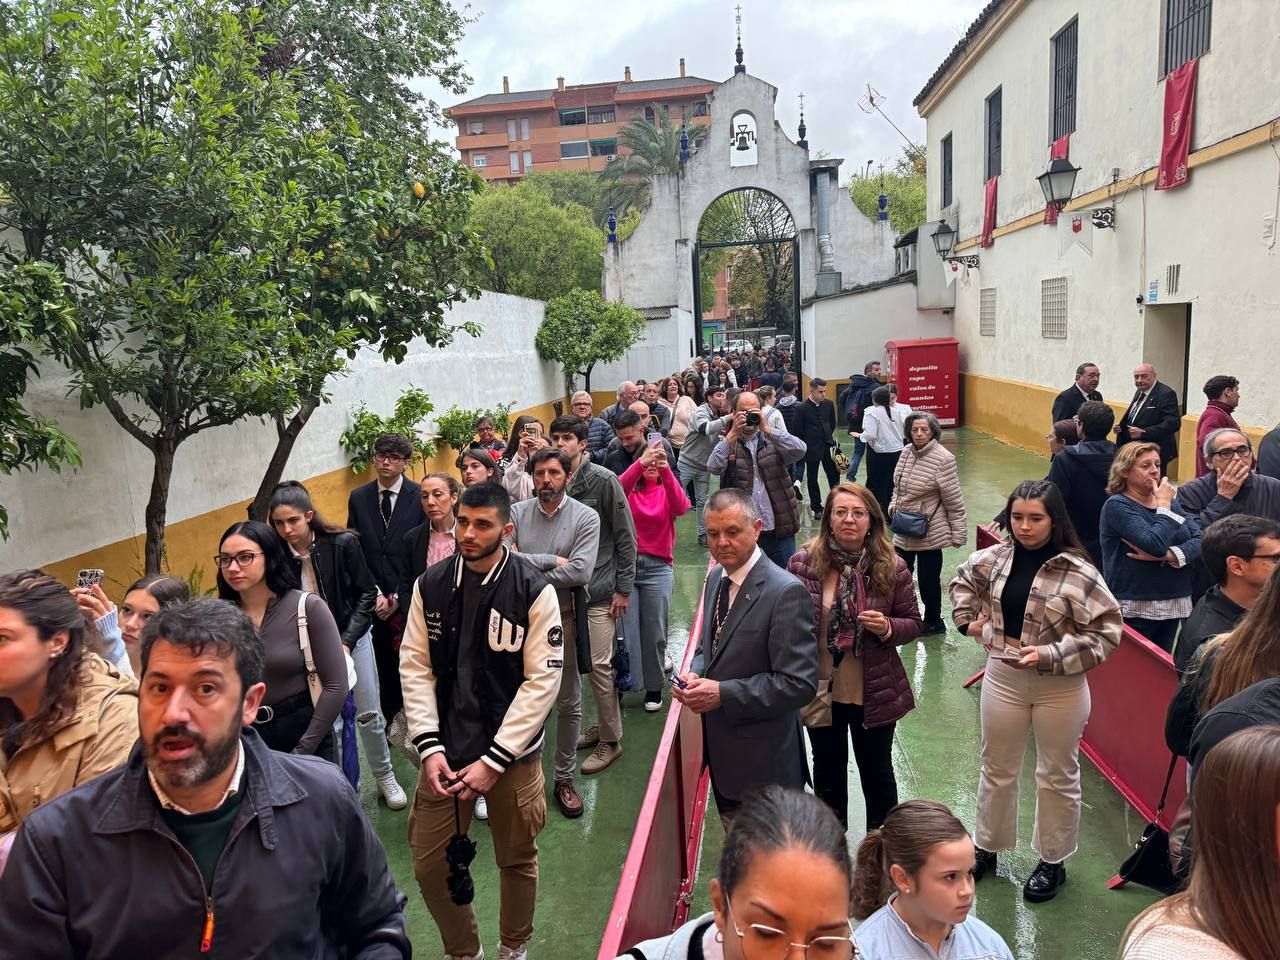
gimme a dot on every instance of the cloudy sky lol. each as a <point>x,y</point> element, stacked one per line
<point>829,49</point>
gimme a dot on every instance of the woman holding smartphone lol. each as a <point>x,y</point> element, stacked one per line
<point>118,631</point>
<point>1046,617</point>
<point>656,501</point>
<point>864,608</point>
<point>526,440</point>
<point>255,573</point>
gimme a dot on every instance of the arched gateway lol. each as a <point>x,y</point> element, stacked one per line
<point>748,231</point>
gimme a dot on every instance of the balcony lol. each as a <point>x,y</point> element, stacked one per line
<point>482,141</point>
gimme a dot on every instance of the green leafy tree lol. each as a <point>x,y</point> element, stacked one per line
<point>904,189</point>
<point>538,249</point>
<point>580,330</point>
<point>31,310</point>
<point>152,165</point>
<point>412,407</point>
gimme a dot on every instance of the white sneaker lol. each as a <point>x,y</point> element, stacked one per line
<point>482,813</point>
<point>667,665</point>
<point>513,953</point>
<point>391,791</point>
<point>478,956</point>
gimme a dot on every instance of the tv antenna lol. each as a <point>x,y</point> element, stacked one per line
<point>870,102</point>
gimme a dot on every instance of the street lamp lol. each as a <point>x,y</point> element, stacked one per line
<point>684,144</point>
<point>1058,182</point>
<point>944,240</point>
<point>613,226</point>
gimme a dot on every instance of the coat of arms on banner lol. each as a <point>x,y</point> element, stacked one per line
<point>1075,228</point>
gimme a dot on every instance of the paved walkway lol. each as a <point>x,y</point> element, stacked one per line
<point>936,755</point>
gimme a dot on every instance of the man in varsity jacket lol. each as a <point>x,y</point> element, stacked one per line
<point>480,666</point>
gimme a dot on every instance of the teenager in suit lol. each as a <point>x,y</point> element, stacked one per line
<point>1068,402</point>
<point>381,512</point>
<point>1153,415</point>
<point>755,665</point>
<point>817,424</point>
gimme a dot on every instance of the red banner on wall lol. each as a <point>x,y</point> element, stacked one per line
<point>1179,109</point>
<point>1061,147</point>
<point>989,213</point>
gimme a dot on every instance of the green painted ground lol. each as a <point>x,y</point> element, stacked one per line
<point>936,755</point>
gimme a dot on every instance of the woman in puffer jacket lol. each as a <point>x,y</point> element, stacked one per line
<point>925,483</point>
<point>864,608</point>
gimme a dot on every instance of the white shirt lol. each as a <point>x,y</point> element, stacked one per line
<point>879,431</point>
<point>232,788</point>
<point>394,490</point>
<point>739,576</point>
<point>308,569</point>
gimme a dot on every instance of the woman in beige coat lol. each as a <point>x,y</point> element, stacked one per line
<point>66,715</point>
<point>925,482</point>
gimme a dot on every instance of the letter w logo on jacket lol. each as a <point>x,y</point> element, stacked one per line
<point>504,636</point>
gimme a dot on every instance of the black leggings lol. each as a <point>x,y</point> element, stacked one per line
<point>930,578</point>
<point>880,476</point>
<point>872,751</point>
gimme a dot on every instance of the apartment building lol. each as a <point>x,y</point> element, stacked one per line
<point>505,135</point>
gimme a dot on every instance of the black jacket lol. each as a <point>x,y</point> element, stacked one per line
<point>381,542</point>
<point>97,873</point>
<point>816,423</point>
<point>1068,403</point>
<point>855,399</point>
<point>1080,473</point>
<point>1215,613</point>
<point>789,406</point>
<point>617,458</point>
<point>1269,454</point>
<point>343,582</point>
<point>1160,418</point>
<point>1259,496</point>
<point>413,561</point>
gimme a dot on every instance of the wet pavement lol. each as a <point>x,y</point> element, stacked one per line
<point>935,754</point>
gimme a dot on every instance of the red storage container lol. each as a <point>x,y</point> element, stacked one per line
<point>927,373</point>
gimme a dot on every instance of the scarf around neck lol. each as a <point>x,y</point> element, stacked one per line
<point>845,631</point>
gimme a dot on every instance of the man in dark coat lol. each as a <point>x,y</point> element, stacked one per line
<point>817,423</point>
<point>1067,403</point>
<point>1080,473</point>
<point>855,401</point>
<point>1154,415</point>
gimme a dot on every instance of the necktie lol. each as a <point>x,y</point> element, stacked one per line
<point>1137,405</point>
<point>386,508</point>
<point>722,612</point>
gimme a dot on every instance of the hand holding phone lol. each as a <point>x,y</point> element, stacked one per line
<point>90,577</point>
<point>677,681</point>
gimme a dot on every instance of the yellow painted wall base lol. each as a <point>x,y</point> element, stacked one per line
<point>190,544</point>
<point>1018,413</point>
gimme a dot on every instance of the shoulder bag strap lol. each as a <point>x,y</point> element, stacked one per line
<point>304,642</point>
<point>1164,794</point>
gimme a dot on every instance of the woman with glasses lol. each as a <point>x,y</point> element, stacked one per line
<point>255,573</point>
<point>488,439</point>
<point>864,608</point>
<point>913,888</point>
<point>782,887</point>
<point>1149,546</point>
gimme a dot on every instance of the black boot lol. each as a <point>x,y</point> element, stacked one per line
<point>985,860</point>
<point>1043,884</point>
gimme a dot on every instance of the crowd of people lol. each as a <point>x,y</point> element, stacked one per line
<point>451,617</point>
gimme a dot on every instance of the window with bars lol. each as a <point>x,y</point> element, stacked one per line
<point>1186,31</point>
<point>946,170</point>
<point>994,111</point>
<point>987,312</point>
<point>1053,308</point>
<point>1064,80</point>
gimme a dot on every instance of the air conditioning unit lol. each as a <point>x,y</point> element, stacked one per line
<point>611,157</point>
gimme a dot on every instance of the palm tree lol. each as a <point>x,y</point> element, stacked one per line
<point>654,149</point>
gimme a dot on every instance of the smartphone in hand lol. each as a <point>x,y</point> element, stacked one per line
<point>677,681</point>
<point>90,577</point>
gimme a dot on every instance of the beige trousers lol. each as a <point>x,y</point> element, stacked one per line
<point>1055,709</point>
<point>600,626</point>
<point>517,812</point>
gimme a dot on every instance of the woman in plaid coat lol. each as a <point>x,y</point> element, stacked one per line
<point>1044,612</point>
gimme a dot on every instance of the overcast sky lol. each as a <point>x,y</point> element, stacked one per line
<point>829,49</point>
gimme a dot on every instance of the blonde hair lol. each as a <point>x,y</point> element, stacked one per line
<point>1126,457</point>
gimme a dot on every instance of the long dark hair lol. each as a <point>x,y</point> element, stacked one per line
<point>1064,537</point>
<point>49,607</point>
<point>513,438</point>
<point>1233,818</point>
<point>908,833</point>
<point>292,493</point>
<point>882,569</point>
<point>696,380</point>
<point>775,818</point>
<point>280,575</point>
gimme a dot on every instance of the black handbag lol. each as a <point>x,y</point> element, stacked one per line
<point>911,523</point>
<point>1149,864</point>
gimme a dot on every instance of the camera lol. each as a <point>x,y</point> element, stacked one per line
<point>753,418</point>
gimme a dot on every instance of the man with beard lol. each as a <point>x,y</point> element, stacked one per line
<point>481,664</point>
<point>561,537</point>
<point>205,837</point>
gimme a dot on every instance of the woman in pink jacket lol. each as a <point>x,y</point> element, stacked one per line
<point>656,500</point>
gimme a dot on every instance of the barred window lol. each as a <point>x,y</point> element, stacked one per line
<point>946,171</point>
<point>1064,81</point>
<point>994,124</point>
<point>987,312</point>
<point>1187,26</point>
<point>1053,308</point>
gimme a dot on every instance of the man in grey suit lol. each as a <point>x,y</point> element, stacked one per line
<point>756,665</point>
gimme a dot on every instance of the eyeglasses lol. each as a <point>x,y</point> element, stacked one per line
<point>857,515</point>
<point>389,457</point>
<point>762,942</point>
<point>242,560</point>
<point>1233,452</point>
<point>581,403</point>
<point>1272,557</point>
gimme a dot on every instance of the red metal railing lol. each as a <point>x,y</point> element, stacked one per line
<point>658,876</point>
<point>1125,735</point>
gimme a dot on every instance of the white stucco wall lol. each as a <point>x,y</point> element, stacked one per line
<point>852,328</point>
<point>58,515</point>
<point>1213,226</point>
<point>863,247</point>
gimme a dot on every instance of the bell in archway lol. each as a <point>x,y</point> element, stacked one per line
<point>743,142</point>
